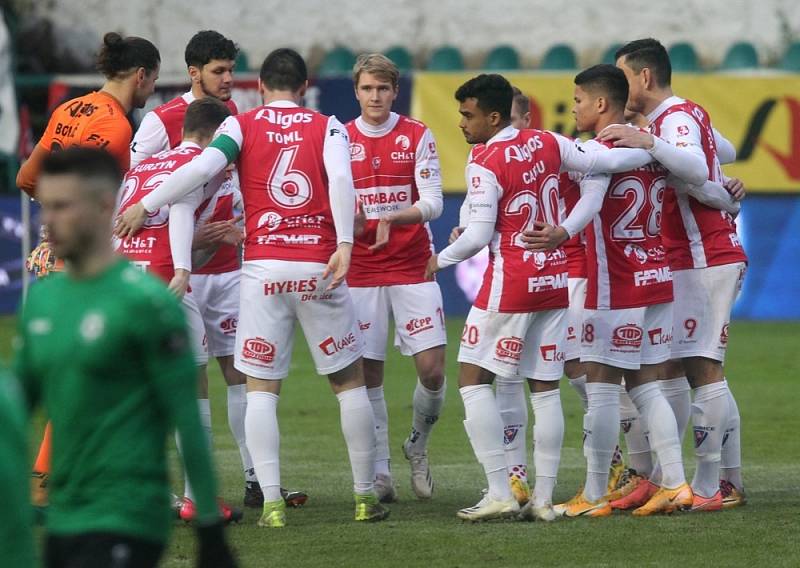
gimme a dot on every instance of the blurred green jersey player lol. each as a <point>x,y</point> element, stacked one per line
<point>105,348</point>
<point>16,528</point>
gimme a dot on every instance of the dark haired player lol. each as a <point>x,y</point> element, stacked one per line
<point>104,348</point>
<point>707,261</point>
<point>97,119</point>
<point>210,60</point>
<point>516,327</point>
<point>299,203</point>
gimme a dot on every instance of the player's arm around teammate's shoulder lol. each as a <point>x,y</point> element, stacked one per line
<point>204,168</point>
<point>590,156</point>
<point>678,148</point>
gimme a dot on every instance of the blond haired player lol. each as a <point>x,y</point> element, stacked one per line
<point>397,177</point>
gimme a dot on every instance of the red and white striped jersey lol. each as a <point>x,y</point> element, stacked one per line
<point>389,166</point>
<point>222,206</point>
<point>162,129</point>
<point>694,235</point>
<point>575,247</point>
<point>149,249</point>
<point>627,265</point>
<point>283,180</point>
<point>525,166</point>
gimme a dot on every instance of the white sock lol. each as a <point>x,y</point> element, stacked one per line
<point>485,431</point>
<point>579,384</point>
<point>602,433</point>
<point>548,436</point>
<point>358,427</point>
<point>710,419</point>
<point>510,396</point>
<point>679,396</point>
<point>427,407</point>
<point>237,406</point>
<point>204,408</point>
<point>731,464</point>
<point>664,441</point>
<point>633,428</point>
<point>264,441</point>
<point>381,418</point>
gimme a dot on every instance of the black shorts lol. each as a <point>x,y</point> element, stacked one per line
<point>101,550</point>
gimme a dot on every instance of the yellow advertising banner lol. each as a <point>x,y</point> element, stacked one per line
<point>759,114</point>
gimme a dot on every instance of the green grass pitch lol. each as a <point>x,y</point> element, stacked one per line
<point>763,367</point>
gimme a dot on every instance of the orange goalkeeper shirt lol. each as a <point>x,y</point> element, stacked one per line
<point>95,119</point>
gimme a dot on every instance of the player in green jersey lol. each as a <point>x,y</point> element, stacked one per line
<point>105,348</point>
<point>16,529</point>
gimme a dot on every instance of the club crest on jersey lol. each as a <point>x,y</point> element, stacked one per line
<point>476,182</point>
<point>510,433</point>
<point>376,162</point>
<point>509,348</point>
<point>403,141</point>
<point>628,335</point>
<point>259,349</point>
<point>357,152</point>
<point>683,130</point>
<point>92,326</point>
<point>700,434</point>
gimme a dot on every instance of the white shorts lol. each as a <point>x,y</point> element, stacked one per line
<point>704,298</point>
<point>629,337</point>
<point>197,331</point>
<point>516,345</point>
<point>217,296</point>
<point>417,312</point>
<point>577,299</point>
<point>275,294</point>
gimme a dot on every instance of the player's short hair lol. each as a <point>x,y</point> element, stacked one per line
<point>607,80</point>
<point>648,53</point>
<point>522,100</point>
<point>96,167</point>
<point>493,93</point>
<point>120,56</point>
<point>207,45</point>
<point>284,70</point>
<point>376,64</point>
<point>203,116</point>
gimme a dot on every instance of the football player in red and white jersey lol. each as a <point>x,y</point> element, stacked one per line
<point>516,327</point>
<point>397,177</point>
<point>509,392</point>
<point>210,59</point>
<point>297,187</point>
<point>157,248</point>
<point>707,261</point>
<point>627,314</point>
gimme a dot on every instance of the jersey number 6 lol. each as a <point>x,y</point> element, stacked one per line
<point>287,187</point>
